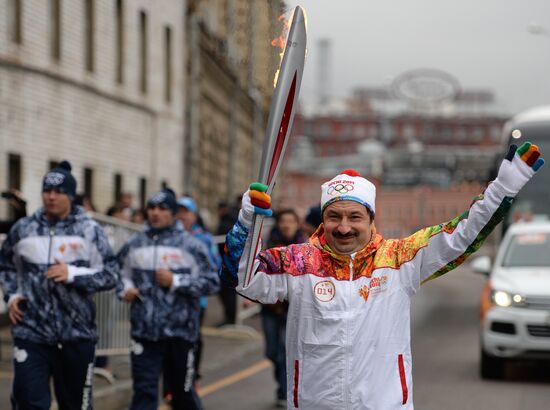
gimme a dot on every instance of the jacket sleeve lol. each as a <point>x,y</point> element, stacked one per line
<point>125,281</point>
<point>269,284</point>
<point>436,250</point>
<point>203,279</point>
<point>9,277</point>
<point>102,274</point>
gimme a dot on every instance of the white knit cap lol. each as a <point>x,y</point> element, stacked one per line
<point>349,185</point>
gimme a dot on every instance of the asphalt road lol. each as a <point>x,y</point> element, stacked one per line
<point>445,361</point>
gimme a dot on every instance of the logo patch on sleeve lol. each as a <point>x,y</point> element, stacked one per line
<point>324,291</point>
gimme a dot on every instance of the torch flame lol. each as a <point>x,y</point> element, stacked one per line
<point>280,41</point>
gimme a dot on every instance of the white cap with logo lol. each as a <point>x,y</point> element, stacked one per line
<point>349,185</point>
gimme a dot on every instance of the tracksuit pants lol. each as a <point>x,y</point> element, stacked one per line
<point>274,327</point>
<point>71,365</point>
<point>148,360</point>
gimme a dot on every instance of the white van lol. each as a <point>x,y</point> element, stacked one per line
<point>533,125</point>
<point>515,303</point>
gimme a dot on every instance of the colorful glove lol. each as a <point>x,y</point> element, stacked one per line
<point>518,167</point>
<point>255,201</point>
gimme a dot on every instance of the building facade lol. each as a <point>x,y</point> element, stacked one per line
<point>231,65</point>
<point>97,82</point>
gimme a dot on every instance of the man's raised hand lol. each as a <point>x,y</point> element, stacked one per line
<point>518,167</point>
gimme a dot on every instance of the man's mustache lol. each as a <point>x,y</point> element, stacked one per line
<point>337,234</point>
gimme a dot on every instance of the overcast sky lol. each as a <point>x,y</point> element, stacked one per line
<point>483,43</point>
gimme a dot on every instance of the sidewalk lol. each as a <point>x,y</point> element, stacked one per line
<point>221,347</point>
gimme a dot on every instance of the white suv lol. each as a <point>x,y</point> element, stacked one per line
<point>515,303</point>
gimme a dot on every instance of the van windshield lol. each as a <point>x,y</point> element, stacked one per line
<point>528,250</point>
<point>535,196</point>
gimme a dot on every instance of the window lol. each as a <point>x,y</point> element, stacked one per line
<point>55,29</point>
<point>360,131</point>
<point>89,182</point>
<point>409,132</point>
<point>461,133</point>
<point>117,193</point>
<point>14,176</point>
<point>478,133</point>
<point>446,132</point>
<point>16,19</point>
<point>495,132</point>
<point>143,51</point>
<point>167,64</point>
<point>119,41</point>
<point>142,192</point>
<point>14,171</point>
<point>89,34</point>
<point>324,130</point>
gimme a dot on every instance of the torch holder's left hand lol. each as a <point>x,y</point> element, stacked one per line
<point>255,201</point>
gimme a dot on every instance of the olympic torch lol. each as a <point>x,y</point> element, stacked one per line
<point>281,117</point>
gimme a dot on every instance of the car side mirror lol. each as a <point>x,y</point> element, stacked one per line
<point>481,264</point>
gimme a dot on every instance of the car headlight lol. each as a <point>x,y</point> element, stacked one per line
<point>506,299</point>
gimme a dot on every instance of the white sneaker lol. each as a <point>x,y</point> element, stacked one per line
<point>280,403</point>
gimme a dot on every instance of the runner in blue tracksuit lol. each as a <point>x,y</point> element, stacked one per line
<point>51,264</point>
<point>164,271</point>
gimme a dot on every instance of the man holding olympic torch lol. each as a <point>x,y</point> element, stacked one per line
<point>349,290</point>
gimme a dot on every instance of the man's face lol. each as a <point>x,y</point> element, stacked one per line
<point>159,217</point>
<point>57,205</point>
<point>186,217</point>
<point>288,225</point>
<point>347,226</point>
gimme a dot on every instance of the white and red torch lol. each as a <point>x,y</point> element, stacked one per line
<point>281,117</point>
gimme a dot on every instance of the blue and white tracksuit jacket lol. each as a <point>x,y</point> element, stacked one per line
<point>206,237</point>
<point>57,312</point>
<point>160,313</point>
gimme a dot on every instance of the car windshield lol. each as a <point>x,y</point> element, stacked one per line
<point>528,250</point>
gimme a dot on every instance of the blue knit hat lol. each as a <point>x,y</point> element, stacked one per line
<point>60,179</point>
<point>165,199</point>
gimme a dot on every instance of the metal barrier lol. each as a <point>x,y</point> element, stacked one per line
<point>113,315</point>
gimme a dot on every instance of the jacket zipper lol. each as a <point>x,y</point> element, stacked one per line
<point>348,335</point>
<point>51,286</point>
<point>154,295</point>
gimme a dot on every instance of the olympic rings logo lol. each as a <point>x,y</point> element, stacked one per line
<point>340,189</point>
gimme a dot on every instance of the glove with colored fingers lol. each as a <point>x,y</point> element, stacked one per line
<point>255,201</point>
<point>518,167</point>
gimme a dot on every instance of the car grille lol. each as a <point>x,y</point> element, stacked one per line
<point>538,330</point>
<point>537,302</point>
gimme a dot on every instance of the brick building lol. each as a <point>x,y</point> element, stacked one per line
<point>427,168</point>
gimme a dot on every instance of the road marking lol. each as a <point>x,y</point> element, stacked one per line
<point>234,378</point>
